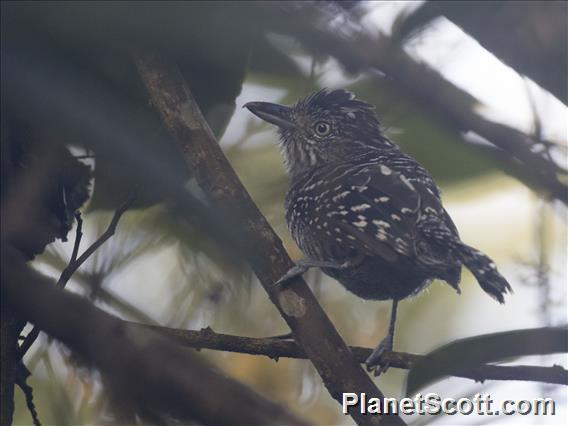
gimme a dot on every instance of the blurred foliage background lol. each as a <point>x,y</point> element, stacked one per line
<point>68,80</point>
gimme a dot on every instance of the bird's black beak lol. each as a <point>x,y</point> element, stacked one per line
<point>278,115</point>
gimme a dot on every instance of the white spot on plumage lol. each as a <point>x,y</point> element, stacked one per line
<point>360,188</point>
<point>341,195</point>
<point>320,196</point>
<point>360,207</point>
<point>406,182</point>
<point>400,245</point>
<point>396,217</point>
<point>381,223</point>
<point>313,158</point>
<point>361,224</point>
<point>385,170</point>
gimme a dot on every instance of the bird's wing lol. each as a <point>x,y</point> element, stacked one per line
<point>370,208</point>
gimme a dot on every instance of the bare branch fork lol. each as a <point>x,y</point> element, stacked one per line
<point>67,273</point>
<point>75,263</point>
<point>276,348</point>
<point>175,383</point>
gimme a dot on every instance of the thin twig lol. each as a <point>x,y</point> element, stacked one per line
<point>75,263</point>
<point>275,348</point>
<point>78,237</point>
<point>73,266</point>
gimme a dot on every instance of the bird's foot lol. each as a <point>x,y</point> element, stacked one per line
<point>374,362</point>
<point>304,264</point>
<point>294,272</point>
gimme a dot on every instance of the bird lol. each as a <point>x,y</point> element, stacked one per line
<point>363,211</point>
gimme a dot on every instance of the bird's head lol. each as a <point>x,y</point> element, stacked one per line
<point>325,127</point>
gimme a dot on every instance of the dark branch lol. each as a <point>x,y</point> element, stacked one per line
<point>152,375</point>
<point>530,48</point>
<point>10,328</point>
<point>312,329</point>
<point>78,237</point>
<point>275,348</point>
<point>21,380</point>
<point>359,51</point>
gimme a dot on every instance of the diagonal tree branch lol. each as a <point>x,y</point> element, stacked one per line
<point>360,51</point>
<point>150,375</point>
<point>311,328</point>
<point>276,348</point>
<point>514,32</point>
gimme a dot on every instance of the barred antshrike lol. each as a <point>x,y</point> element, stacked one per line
<point>364,212</point>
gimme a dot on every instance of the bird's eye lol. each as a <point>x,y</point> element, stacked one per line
<point>322,128</point>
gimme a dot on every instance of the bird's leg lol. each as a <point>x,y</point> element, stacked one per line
<point>306,263</point>
<point>386,345</point>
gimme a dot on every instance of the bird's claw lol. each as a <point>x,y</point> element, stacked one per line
<point>374,362</point>
<point>377,370</point>
<point>292,273</point>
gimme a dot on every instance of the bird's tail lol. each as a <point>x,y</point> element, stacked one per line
<point>485,271</point>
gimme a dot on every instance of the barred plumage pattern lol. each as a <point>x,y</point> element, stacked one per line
<point>355,196</point>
